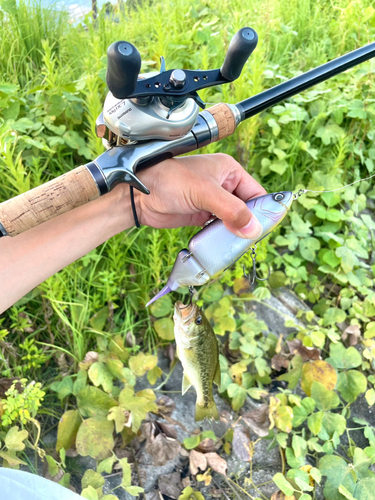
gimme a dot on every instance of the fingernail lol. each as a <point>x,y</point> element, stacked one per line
<point>253,229</point>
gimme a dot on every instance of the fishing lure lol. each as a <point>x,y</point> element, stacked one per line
<point>214,249</point>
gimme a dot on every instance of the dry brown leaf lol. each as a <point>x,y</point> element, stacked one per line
<point>216,463</point>
<point>186,482</point>
<point>170,484</point>
<point>174,422</point>
<point>6,384</point>
<point>166,405</point>
<point>162,449</point>
<point>258,420</point>
<point>308,353</point>
<point>279,362</point>
<point>89,359</point>
<point>225,417</point>
<point>197,461</point>
<point>279,495</point>
<point>354,333</point>
<point>242,445</point>
<point>206,446</point>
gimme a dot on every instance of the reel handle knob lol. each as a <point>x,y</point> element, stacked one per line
<point>240,48</point>
<point>124,64</point>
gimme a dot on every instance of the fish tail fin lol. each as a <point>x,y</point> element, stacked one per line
<point>209,412</point>
<point>162,292</point>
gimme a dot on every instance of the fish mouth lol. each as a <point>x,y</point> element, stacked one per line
<point>185,313</point>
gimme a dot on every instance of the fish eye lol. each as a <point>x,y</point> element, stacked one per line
<point>278,196</point>
<point>198,321</point>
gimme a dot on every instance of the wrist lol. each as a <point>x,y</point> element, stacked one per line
<point>118,209</point>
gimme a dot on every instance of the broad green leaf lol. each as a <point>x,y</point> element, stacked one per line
<point>93,402</point>
<point>14,439</point>
<point>58,104</point>
<point>192,442</point>
<point>106,465</point>
<point>100,375</point>
<point>365,489</point>
<point>134,490</point>
<point>346,493</point>
<point>126,472</point>
<point>237,395</point>
<point>308,248</point>
<point>141,363</point>
<point>99,319</point>
<point>351,384</point>
<point>348,258</point>
<point>90,493</point>
<point>334,315</point>
<point>283,484</point>
<point>338,473</point>
<point>189,494</point>
<point>332,423</point>
<point>370,397</point>
<point>95,438</point>
<point>67,430</point>
<point>63,388</point>
<point>299,446</point>
<point>80,382</point>
<point>117,347</point>
<point>213,293</point>
<point>343,358</point>
<point>293,461</point>
<point>139,406</point>
<point>315,474</point>
<point>161,307</point>
<point>154,374</point>
<point>164,327</point>
<point>314,422</point>
<point>92,478</point>
<point>11,458</point>
<point>325,399</point>
<point>361,463</point>
<point>119,416</point>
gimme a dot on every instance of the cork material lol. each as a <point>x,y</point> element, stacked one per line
<point>224,118</point>
<point>45,202</point>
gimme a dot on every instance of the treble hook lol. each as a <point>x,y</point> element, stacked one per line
<point>191,293</point>
<point>254,275</point>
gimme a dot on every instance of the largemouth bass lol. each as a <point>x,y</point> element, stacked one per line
<point>198,351</point>
<point>215,248</point>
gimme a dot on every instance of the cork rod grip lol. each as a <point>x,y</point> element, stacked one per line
<point>224,119</point>
<point>47,201</point>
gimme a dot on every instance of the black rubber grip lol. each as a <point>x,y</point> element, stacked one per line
<point>124,65</point>
<point>240,48</point>
<point>98,176</point>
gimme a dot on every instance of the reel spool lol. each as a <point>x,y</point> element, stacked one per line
<point>165,105</point>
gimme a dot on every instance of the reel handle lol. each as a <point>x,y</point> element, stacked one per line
<point>124,65</point>
<point>240,48</point>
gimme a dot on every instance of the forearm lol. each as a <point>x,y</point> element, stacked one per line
<point>30,258</point>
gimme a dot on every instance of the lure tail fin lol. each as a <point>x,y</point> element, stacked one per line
<point>162,292</point>
<point>201,412</point>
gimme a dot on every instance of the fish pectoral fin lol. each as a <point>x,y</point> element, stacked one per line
<point>186,384</point>
<point>217,376</point>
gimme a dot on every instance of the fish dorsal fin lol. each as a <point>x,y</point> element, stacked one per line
<point>186,384</point>
<point>217,376</point>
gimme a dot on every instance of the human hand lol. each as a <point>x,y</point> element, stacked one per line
<point>187,191</point>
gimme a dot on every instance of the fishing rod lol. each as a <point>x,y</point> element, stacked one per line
<point>148,118</point>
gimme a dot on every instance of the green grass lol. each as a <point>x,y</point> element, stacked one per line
<point>50,67</point>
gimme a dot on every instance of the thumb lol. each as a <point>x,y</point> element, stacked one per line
<point>231,210</point>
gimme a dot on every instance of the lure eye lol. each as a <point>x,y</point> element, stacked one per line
<point>278,196</point>
<point>198,321</point>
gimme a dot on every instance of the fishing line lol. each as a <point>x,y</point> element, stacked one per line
<point>304,191</point>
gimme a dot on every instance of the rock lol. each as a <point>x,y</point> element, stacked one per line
<point>120,493</point>
<point>282,305</point>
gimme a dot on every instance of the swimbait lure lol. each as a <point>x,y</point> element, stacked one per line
<point>214,249</point>
<point>198,351</point>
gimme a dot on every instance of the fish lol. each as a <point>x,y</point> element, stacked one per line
<point>198,351</point>
<point>214,249</point>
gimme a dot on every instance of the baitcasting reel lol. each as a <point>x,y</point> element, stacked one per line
<point>164,105</point>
